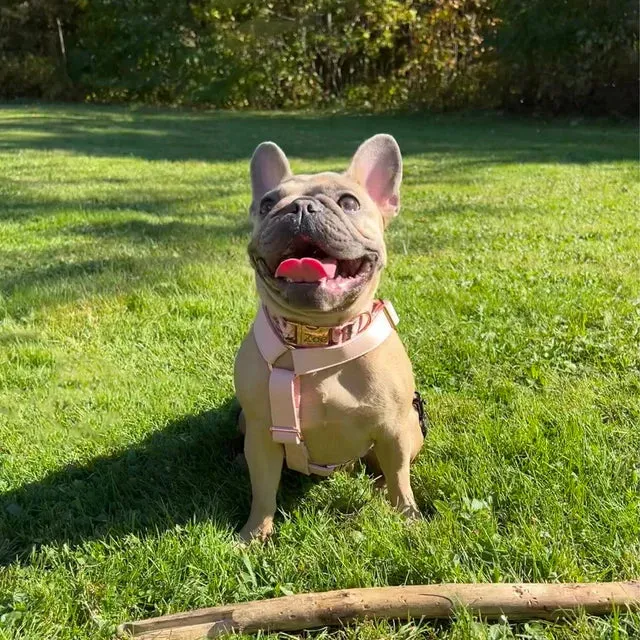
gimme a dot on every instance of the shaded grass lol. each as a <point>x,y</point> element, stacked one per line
<point>124,293</point>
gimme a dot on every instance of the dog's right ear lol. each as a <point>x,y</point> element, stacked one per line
<point>269,167</point>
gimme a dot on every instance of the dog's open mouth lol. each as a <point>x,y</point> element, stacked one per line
<point>305,263</point>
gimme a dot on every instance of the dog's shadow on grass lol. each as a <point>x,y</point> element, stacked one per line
<point>188,471</point>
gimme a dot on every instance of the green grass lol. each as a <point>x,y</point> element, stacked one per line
<point>124,294</point>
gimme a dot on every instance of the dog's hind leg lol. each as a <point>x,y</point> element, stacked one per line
<point>241,423</point>
<point>393,452</point>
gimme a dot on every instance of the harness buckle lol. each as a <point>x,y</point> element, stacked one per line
<point>418,405</point>
<point>286,435</point>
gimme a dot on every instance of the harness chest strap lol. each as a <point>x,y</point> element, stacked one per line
<point>284,385</point>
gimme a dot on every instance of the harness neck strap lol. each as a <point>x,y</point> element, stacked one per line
<point>296,334</point>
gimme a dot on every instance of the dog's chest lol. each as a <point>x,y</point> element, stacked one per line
<point>331,398</point>
<point>337,415</point>
<point>342,409</point>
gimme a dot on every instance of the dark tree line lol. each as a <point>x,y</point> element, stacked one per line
<point>555,55</point>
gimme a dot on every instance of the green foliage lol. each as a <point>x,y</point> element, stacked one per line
<point>569,55</point>
<point>31,56</point>
<point>377,53</point>
<point>372,54</point>
<point>134,49</point>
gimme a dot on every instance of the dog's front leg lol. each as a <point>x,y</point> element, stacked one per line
<point>264,459</point>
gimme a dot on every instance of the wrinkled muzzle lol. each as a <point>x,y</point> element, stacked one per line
<point>311,255</point>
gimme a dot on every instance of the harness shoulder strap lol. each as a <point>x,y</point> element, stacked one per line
<point>284,396</point>
<point>313,360</point>
<point>269,343</point>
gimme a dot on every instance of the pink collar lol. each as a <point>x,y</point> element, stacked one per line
<point>296,334</point>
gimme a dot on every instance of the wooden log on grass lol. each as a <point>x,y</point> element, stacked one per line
<point>309,610</point>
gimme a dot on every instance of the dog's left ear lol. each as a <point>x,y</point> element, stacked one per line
<point>377,166</point>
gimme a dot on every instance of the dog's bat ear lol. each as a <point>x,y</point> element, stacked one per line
<point>377,166</point>
<point>269,167</point>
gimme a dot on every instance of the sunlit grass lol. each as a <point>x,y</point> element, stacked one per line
<point>125,291</point>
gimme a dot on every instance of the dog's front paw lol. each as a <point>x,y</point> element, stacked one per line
<point>410,511</point>
<point>259,532</point>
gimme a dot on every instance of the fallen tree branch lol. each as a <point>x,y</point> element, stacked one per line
<point>309,610</point>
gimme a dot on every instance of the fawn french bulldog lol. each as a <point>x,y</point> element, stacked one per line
<point>322,377</point>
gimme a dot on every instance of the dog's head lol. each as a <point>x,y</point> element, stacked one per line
<point>318,240</point>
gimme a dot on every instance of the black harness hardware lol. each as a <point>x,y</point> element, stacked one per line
<point>418,405</point>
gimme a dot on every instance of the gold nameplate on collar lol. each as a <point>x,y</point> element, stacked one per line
<point>312,336</point>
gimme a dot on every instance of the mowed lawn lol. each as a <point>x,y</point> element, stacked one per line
<point>125,292</point>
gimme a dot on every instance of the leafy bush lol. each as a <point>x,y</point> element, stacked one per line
<point>569,55</point>
<point>29,76</point>
<point>31,55</point>
<point>376,54</point>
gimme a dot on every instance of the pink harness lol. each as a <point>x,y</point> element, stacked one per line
<point>351,341</point>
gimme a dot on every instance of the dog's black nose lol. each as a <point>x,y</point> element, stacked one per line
<point>303,206</point>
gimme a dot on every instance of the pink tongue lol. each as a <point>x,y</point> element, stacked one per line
<point>306,269</point>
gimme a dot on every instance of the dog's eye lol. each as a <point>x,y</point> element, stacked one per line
<point>265,206</point>
<point>348,204</point>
